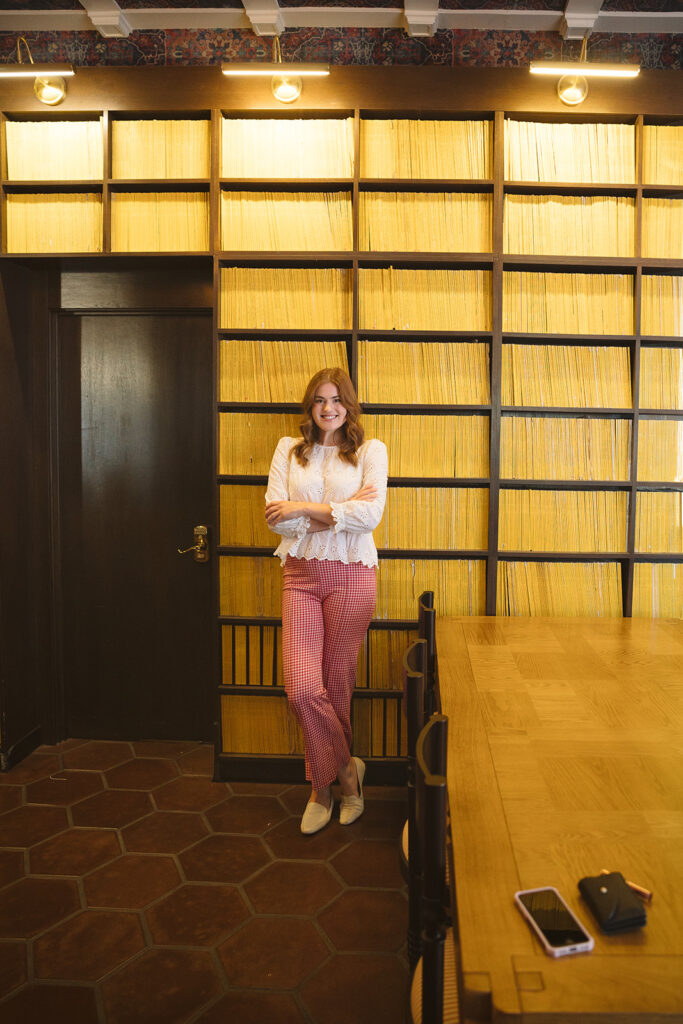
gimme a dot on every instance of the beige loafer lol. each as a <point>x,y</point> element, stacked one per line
<point>353,806</point>
<point>316,817</point>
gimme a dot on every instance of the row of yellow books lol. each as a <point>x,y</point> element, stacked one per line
<point>663,154</point>
<point>52,222</point>
<point>287,148</point>
<point>425,221</point>
<point>435,519</point>
<point>424,372</point>
<point>559,589</point>
<point>661,378</point>
<point>660,450</point>
<point>403,148</point>
<point>380,661</point>
<point>286,221</point>
<point>566,375</point>
<point>562,520</point>
<point>424,300</point>
<point>662,300</point>
<point>273,371</point>
<point>447,446</point>
<point>251,586</point>
<point>54,150</point>
<point>378,727</point>
<point>564,448</point>
<point>161,149</point>
<point>256,724</point>
<point>548,303</point>
<point>569,225</point>
<point>658,590</point>
<point>542,151</point>
<point>659,522</point>
<point>160,222</point>
<point>273,297</point>
<point>662,228</point>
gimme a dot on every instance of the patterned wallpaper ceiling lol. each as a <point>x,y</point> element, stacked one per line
<point>475,33</point>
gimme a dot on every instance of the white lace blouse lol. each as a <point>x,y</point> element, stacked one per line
<point>328,479</point>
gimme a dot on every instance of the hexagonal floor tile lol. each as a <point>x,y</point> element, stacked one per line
<point>196,915</point>
<point>272,953</point>
<point>131,882</point>
<point>254,814</point>
<point>378,994</point>
<point>223,859</point>
<point>163,748</point>
<point>163,986</point>
<point>31,905</point>
<point>88,946</point>
<point>60,1004</point>
<point>370,862</point>
<point>35,766</point>
<point>75,852</point>
<point>11,866</point>
<point>383,819</point>
<point>290,887</point>
<point>254,1008</point>
<point>366,920</point>
<point>10,796</point>
<point>190,793</point>
<point>262,788</point>
<point>30,824</point>
<point>197,762</point>
<point>164,832</point>
<point>97,755</point>
<point>63,788</point>
<point>113,808</point>
<point>286,840</point>
<point>142,773</point>
<point>12,966</point>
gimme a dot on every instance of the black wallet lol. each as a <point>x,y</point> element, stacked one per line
<point>614,905</point>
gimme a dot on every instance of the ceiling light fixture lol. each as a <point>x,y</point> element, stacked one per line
<point>285,78</point>
<point>572,87</point>
<point>49,85</point>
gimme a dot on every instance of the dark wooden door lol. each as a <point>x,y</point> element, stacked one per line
<point>135,426</point>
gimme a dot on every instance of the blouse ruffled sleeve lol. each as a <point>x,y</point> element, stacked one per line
<point>278,490</point>
<point>364,516</point>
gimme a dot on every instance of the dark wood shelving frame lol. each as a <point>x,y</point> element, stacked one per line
<point>396,103</point>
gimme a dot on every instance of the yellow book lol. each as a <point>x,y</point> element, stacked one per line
<point>658,590</point>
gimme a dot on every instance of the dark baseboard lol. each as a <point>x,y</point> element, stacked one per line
<point>21,749</point>
<point>381,771</point>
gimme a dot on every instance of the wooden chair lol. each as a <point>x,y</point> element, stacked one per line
<point>414,686</point>
<point>434,989</point>
<point>426,630</point>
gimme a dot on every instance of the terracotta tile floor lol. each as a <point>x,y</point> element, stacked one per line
<point>134,890</point>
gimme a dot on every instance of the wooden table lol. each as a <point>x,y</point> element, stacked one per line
<point>565,757</point>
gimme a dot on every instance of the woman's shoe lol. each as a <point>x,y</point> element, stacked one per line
<point>316,816</point>
<point>353,806</point>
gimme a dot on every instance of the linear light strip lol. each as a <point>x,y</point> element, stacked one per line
<point>586,68</point>
<point>35,70</point>
<point>268,70</point>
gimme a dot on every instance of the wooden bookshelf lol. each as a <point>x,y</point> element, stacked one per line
<point>248,633</point>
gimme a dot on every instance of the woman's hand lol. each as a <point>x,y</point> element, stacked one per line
<point>281,511</point>
<point>367,493</point>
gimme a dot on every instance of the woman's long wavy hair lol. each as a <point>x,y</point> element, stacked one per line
<point>351,430</point>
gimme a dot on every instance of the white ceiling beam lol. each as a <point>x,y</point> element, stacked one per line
<point>265,17</point>
<point>650,23</point>
<point>107,17</point>
<point>235,19</point>
<point>421,17</point>
<point>579,18</point>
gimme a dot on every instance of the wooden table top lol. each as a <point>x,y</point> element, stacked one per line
<point>565,757</point>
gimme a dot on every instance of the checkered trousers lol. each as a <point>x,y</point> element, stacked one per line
<point>326,610</point>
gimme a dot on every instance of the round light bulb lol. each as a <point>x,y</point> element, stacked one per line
<point>50,90</point>
<point>572,89</point>
<point>286,88</point>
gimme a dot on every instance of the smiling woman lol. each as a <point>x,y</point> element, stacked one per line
<point>326,494</point>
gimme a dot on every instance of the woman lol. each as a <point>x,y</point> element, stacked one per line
<point>326,493</point>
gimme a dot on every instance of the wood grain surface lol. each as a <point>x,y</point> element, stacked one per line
<point>565,757</point>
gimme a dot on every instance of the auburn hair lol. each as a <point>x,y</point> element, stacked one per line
<point>351,430</point>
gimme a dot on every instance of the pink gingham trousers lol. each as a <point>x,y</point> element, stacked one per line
<point>326,610</point>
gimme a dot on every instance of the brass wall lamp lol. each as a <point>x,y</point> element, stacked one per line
<point>48,85</point>
<point>285,79</point>
<point>572,87</point>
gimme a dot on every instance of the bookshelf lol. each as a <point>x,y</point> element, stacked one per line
<point>517,376</point>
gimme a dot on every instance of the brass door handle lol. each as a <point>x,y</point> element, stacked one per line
<point>200,548</point>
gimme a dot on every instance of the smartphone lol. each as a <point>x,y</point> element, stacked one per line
<point>558,929</point>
